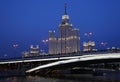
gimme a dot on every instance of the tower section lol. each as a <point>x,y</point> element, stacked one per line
<point>65,29</point>
<point>76,41</point>
<point>69,37</point>
<point>52,42</point>
<point>65,32</point>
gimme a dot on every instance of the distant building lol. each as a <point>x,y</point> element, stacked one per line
<point>89,46</point>
<point>113,49</point>
<point>34,51</point>
<point>68,40</point>
<point>25,54</point>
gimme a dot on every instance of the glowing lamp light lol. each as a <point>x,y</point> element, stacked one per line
<point>15,45</point>
<point>45,41</point>
<point>103,43</point>
<point>88,34</point>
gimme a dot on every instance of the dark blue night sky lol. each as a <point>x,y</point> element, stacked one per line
<point>26,22</point>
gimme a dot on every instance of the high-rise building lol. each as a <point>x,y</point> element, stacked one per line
<point>68,40</point>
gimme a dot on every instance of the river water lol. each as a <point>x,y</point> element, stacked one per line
<point>68,78</point>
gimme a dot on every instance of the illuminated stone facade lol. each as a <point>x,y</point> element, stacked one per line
<point>68,40</point>
<point>34,51</point>
<point>52,42</point>
<point>89,46</point>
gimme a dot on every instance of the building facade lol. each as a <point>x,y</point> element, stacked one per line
<point>34,51</point>
<point>89,46</point>
<point>68,40</point>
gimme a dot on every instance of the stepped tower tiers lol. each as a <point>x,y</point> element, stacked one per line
<point>68,40</point>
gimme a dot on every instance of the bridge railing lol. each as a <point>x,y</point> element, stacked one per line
<point>62,55</point>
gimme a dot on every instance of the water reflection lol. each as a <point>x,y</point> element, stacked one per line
<point>66,78</point>
<point>12,79</point>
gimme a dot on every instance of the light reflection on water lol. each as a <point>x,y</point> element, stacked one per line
<point>60,79</point>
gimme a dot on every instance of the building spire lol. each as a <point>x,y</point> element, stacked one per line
<point>65,6</point>
<point>65,16</point>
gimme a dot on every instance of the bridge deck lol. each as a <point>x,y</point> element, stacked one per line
<point>45,58</point>
<point>77,59</point>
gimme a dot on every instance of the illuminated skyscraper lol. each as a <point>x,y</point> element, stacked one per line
<point>68,40</point>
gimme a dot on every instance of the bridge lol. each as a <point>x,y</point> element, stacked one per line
<point>79,59</point>
<point>31,65</point>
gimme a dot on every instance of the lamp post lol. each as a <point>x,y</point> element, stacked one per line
<point>45,42</point>
<point>15,47</point>
<point>5,56</point>
<point>103,44</point>
<point>88,34</point>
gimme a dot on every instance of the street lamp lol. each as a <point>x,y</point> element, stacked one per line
<point>5,56</point>
<point>15,46</point>
<point>45,41</point>
<point>88,34</point>
<point>104,43</point>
